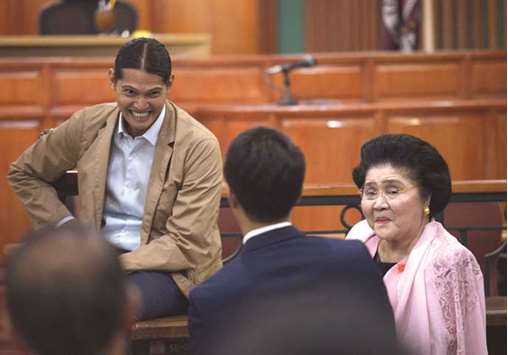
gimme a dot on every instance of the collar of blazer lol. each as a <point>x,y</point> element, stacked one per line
<point>158,174</point>
<point>271,237</point>
<point>168,128</point>
<point>162,158</point>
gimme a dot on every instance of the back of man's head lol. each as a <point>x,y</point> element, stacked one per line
<point>265,170</point>
<point>66,292</point>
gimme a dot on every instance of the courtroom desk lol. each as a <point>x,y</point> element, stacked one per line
<point>189,45</point>
<point>353,77</point>
<point>50,89</point>
<point>471,134</point>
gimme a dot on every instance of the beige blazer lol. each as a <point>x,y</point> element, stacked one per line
<point>179,233</point>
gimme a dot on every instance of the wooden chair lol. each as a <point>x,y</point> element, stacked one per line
<point>495,265</point>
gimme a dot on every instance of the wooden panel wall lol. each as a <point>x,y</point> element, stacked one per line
<point>341,25</point>
<point>250,26</point>
<point>471,135</point>
<point>345,78</point>
<point>4,23</point>
<point>457,101</point>
<point>344,25</point>
<point>343,134</point>
<point>145,13</point>
<point>236,27</point>
<point>487,77</point>
<point>466,24</point>
<point>468,134</point>
<point>233,24</point>
<point>466,138</point>
<point>16,135</point>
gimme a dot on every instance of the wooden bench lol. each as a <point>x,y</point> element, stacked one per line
<point>496,311</point>
<point>167,335</point>
<point>496,325</point>
<point>170,335</point>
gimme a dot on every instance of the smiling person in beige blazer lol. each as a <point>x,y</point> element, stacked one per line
<point>150,179</point>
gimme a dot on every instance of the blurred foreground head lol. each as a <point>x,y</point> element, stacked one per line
<point>67,293</point>
<point>315,321</point>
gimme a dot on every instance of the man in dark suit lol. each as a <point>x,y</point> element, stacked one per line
<point>286,293</point>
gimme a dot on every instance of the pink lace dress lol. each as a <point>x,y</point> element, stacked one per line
<point>436,293</point>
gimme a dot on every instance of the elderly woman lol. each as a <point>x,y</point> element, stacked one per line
<point>434,283</point>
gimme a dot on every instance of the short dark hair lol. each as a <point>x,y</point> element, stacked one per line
<point>265,170</point>
<point>146,54</point>
<point>419,159</point>
<point>66,292</point>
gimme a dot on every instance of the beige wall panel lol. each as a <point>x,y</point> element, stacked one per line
<point>500,147</point>
<point>4,17</point>
<point>21,87</point>
<point>144,13</point>
<point>83,86</point>
<point>235,126</point>
<point>423,80</point>
<point>15,137</point>
<point>218,85</point>
<point>488,78</point>
<point>31,10</point>
<point>331,146</point>
<point>182,16</point>
<point>232,24</point>
<point>234,27</point>
<point>341,25</point>
<point>322,218</point>
<point>461,138</point>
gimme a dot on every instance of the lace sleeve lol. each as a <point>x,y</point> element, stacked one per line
<point>455,283</point>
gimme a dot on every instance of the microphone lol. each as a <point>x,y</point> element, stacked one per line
<point>307,61</point>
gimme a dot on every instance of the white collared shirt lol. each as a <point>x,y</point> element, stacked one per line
<point>129,169</point>
<point>264,229</point>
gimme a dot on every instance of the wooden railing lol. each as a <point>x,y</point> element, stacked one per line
<point>455,100</point>
<point>171,334</point>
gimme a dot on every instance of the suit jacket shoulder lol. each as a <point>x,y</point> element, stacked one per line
<point>288,279</point>
<point>93,118</point>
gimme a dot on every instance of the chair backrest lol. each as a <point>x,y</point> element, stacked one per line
<point>78,18</point>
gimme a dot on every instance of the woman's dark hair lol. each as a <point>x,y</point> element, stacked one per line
<point>146,54</point>
<point>419,159</point>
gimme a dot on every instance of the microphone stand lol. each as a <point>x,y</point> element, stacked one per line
<point>287,98</point>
